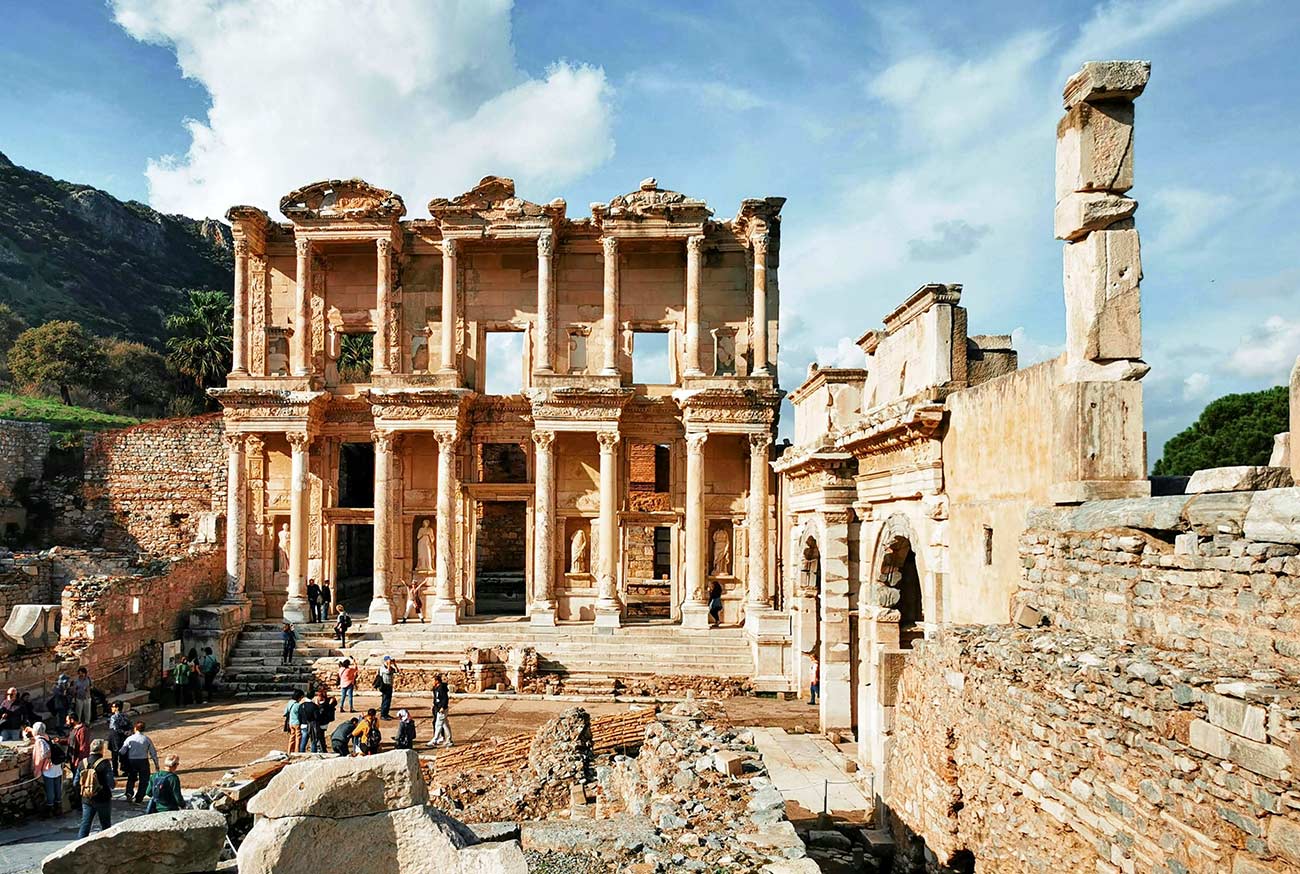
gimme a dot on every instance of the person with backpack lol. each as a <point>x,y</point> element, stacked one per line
<point>96,788</point>
<point>339,739</point>
<point>165,788</point>
<point>211,667</point>
<point>347,685</point>
<point>181,681</point>
<point>366,735</point>
<point>47,761</point>
<point>405,739</point>
<point>289,640</point>
<point>384,679</point>
<point>341,625</point>
<point>293,721</point>
<point>307,713</point>
<point>137,750</point>
<point>119,727</point>
<point>78,745</point>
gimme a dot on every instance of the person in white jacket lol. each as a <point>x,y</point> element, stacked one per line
<point>137,751</point>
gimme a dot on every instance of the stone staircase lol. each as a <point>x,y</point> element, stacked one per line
<point>254,669</point>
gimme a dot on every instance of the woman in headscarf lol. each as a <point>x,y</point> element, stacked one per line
<point>43,763</point>
<point>405,731</point>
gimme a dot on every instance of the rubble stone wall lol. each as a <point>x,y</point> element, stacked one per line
<point>153,486</point>
<point>1042,750</point>
<point>24,580</point>
<point>23,446</point>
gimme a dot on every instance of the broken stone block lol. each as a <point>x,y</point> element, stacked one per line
<point>731,764</point>
<point>1281,455</point>
<point>1284,839</point>
<point>1274,516</point>
<point>1263,759</point>
<point>1080,213</point>
<point>829,838</point>
<point>1027,617</point>
<point>1094,149</point>
<point>1107,80</point>
<point>344,787</point>
<point>178,842</point>
<point>1103,304</point>
<point>1239,479</point>
<point>35,626</point>
<point>1186,544</point>
<point>1098,441</point>
<point>1236,716</point>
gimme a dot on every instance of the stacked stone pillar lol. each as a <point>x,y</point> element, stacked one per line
<point>1100,450</point>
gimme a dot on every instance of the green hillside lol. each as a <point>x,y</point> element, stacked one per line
<point>70,251</point>
<point>62,419</point>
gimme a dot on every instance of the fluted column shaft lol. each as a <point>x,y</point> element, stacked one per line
<point>696,588</point>
<point>545,361</point>
<point>543,607</point>
<point>239,339</point>
<point>295,606</point>
<point>450,266</point>
<point>302,310</point>
<point>383,304</point>
<point>607,594</point>
<point>443,585</point>
<point>759,340</point>
<point>381,605</point>
<point>236,501</point>
<point>610,247</point>
<point>759,478</point>
<point>694,255</point>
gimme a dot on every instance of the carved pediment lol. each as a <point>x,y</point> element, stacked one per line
<point>757,215</point>
<point>493,202</point>
<point>650,201</point>
<point>342,199</point>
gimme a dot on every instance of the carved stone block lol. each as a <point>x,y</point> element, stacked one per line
<point>1107,80</point>
<point>1094,148</point>
<point>1081,212</point>
<point>1103,272</point>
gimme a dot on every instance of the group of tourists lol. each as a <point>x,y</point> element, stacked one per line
<point>191,678</point>
<point>318,601</point>
<point>289,637</point>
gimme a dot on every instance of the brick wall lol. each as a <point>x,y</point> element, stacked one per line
<point>151,486</point>
<point>23,446</point>
<point>501,535</point>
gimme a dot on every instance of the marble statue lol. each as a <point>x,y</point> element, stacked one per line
<point>721,554</point>
<point>282,548</point>
<point>424,548</point>
<point>578,553</point>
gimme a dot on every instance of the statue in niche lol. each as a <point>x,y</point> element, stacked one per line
<point>810,569</point>
<point>277,356</point>
<point>721,554</point>
<point>578,553</point>
<point>424,548</point>
<point>419,353</point>
<point>282,548</point>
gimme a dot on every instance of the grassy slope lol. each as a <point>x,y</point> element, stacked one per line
<point>62,419</point>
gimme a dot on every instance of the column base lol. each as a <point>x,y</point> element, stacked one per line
<point>444,613</point>
<point>542,613</point>
<point>609,615</point>
<point>695,616</point>
<point>381,612</point>
<point>755,613</point>
<point>295,610</point>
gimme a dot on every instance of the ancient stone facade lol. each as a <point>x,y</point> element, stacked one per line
<point>23,446</point>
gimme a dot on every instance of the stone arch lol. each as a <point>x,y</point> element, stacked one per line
<point>898,571</point>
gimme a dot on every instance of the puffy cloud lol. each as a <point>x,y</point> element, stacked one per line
<point>421,97</point>
<point>845,353</point>
<point>1186,215</point>
<point>1268,351</point>
<point>1194,385</point>
<point>1122,24</point>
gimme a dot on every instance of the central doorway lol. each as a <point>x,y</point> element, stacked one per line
<point>355,565</point>
<point>501,558</point>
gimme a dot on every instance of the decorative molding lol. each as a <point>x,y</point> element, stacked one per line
<point>695,244</point>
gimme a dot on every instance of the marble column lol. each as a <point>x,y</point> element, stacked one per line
<point>758,341</point>
<point>383,305</point>
<point>295,606</point>
<point>239,339</point>
<point>545,350</point>
<point>450,262</point>
<point>446,609</point>
<point>381,605</point>
<point>756,522</point>
<point>695,610</point>
<point>236,519</point>
<point>694,255</point>
<point>608,606</point>
<point>610,247</point>
<point>542,610</point>
<point>301,351</point>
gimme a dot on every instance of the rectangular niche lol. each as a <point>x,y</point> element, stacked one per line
<point>579,549</point>
<point>721,546</point>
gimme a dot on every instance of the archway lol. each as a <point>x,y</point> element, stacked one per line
<point>897,581</point>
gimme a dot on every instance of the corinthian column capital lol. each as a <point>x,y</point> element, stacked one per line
<point>451,247</point>
<point>543,439</point>
<point>608,440</point>
<point>241,248</point>
<point>299,441</point>
<point>759,242</point>
<point>383,246</point>
<point>610,246</point>
<point>695,243</point>
<point>546,244</point>
<point>302,245</point>
<point>695,442</point>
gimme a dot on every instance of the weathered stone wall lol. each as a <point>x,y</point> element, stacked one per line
<point>24,579</point>
<point>23,446</point>
<point>1048,750</point>
<point>154,487</point>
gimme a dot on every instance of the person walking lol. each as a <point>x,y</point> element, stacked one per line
<point>441,704</point>
<point>313,601</point>
<point>194,680</point>
<point>137,751</point>
<point>384,679</point>
<point>307,713</point>
<point>11,716</point>
<point>47,760</point>
<point>342,622</point>
<point>211,667</point>
<point>715,604</point>
<point>81,696</point>
<point>405,739</point>
<point>326,709</point>
<point>96,787</point>
<point>326,609</point>
<point>814,678</point>
<point>292,721</point>
<point>289,641</point>
<point>78,745</point>
<point>366,735</point>
<point>60,703</point>
<point>165,788</point>
<point>340,736</point>
<point>181,681</point>
<point>347,685</point>
<point>119,727</point>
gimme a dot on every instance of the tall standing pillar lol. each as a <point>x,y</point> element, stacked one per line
<point>381,605</point>
<point>542,611</point>
<point>758,342</point>
<point>239,339</point>
<point>695,610</point>
<point>446,609</point>
<point>383,304</point>
<point>545,301</point>
<point>694,254</point>
<point>236,501</point>
<point>759,474</point>
<point>302,310</point>
<point>295,605</point>
<point>450,266</point>
<point>608,606</point>
<point>610,247</point>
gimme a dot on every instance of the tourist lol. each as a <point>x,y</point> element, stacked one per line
<point>347,685</point>
<point>78,745</point>
<point>181,681</point>
<point>290,640</point>
<point>292,722</point>
<point>715,604</point>
<point>326,709</point>
<point>405,739</point>
<point>96,787</point>
<point>28,708</point>
<point>384,678</point>
<point>47,760</point>
<point>194,680</point>
<point>341,625</point>
<point>366,735</point>
<point>814,678</point>
<point>11,716</point>
<point>339,739</point>
<point>81,696</point>
<point>119,727</point>
<point>325,610</point>
<point>167,687</point>
<point>137,751</point>
<point>165,788</point>
<point>441,703</point>
<point>313,601</point>
<point>59,703</point>
<point>211,667</point>
<point>414,600</point>
<point>307,713</point>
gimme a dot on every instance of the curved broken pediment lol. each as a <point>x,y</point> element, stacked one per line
<point>493,202</point>
<point>651,200</point>
<point>342,199</point>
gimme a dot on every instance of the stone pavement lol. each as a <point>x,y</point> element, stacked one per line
<point>803,767</point>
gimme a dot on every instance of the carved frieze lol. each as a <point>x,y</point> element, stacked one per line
<point>250,407</point>
<point>728,405</point>
<point>578,403</point>
<point>257,312</point>
<point>353,199</point>
<point>492,205</point>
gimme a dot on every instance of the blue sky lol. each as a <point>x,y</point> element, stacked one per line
<point>914,141</point>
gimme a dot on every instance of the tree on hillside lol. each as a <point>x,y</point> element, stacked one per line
<point>11,325</point>
<point>137,379</point>
<point>199,337</point>
<point>57,353</point>
<point>1234,430</point>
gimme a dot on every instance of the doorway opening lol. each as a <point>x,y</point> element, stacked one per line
<point>648,551</point>
<point>355,567</point>
<point>501,558</point>
<point>357,475</point>
<point>502,365</point>
<point>650,350</point>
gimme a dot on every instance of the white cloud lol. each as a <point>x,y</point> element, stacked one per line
<point>1268,351</point>
<point>1185,215</point>
<point>1194,385</point>
<point>1123,24</point>
<point>420,97</point>
<point>1031,350</point>
<point>845,353</point>
<point>710,92</point>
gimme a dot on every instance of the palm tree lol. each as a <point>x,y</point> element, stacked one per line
<point>199,340</point>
